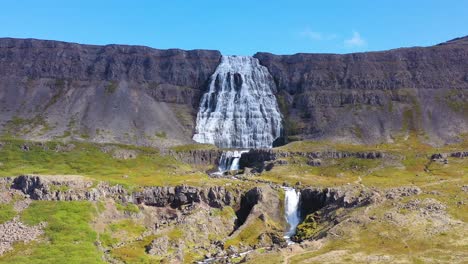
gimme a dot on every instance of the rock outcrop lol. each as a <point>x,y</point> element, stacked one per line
<point>139,95</point>
<point>262,158</point>
<point>15,231</point>
<point>73,188</point>
<point>372,96</point>
<point>112,93</point>
<point>198,157</point>
<point>184,195</point>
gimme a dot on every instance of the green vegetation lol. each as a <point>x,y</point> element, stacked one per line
<point>261,257</point>
<point>175,234</point>
<point>308,228</point>
<point>21,126</point>
<point>87,159</point>
<point>6,213</point>
<point>456,100</point>
<point>226,212</point>
<point>358,132</point>
<point>407,162</point>
<point>135,252</point>
<point>111,87</point>
<point>69,236</point>
<point>248,235</point>
<point>129,208</point>
<point>291,127</point>
<point>161,134</point>
<point>121,231</point>
<point>190,147</point>
<point>60,85</point>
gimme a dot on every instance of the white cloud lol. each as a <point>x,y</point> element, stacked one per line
<point>355,41</point>
<point>314,35</point>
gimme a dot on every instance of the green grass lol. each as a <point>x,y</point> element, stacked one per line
<point>226,213</point>
<point>135,252</point>
<point>87,159</point>
<point>111,87</point>
<point>175,234</point>
<point>130,208</point>
<point>68,234</point>
<point>249,234</point>
<point>121,231</point>
<point>6,213</point>
<point>191,147</point>
<point>20,126</point>
<point>407,163</point>
<point>161,134</point>
<point>129,226</point>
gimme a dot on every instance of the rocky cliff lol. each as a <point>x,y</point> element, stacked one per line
<point>139,95</point>
<point>113,93</point>
<point>367,97</point>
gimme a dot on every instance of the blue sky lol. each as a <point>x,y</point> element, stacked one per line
<point>240,27</point>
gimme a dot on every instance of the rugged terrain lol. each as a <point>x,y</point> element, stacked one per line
<point>139,95</point>
<point>97,164</point>
<point>402,202</point>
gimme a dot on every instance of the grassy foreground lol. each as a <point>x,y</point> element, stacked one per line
<point>68,237</point>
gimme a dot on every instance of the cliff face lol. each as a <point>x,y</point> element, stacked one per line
<point>140,95</point>
<point>116,93</point>
<point>371,96</point>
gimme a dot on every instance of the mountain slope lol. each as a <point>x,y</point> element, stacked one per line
<point>139,95</point>
<point>115,93</point>
<point>367,97</point>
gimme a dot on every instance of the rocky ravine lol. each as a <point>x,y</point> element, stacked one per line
<point>214,219</point>
<point>145,96</point>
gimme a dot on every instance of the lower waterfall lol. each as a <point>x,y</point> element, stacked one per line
<point>230,160</point>
<point>291,211</point>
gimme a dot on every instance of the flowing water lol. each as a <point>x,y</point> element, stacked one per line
<point>230,160</point>
<point>239,110</point>
<point>291,211</point>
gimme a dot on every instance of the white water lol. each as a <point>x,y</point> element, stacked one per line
<point>240,109</point>
<point>291,211</point>
<point>230,160</point>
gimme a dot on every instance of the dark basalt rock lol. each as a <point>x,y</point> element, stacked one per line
<point>131,94</point>
<point>109,91</point>
<point>363,96</point>
<point>64,189</point>
<point>199,157</point>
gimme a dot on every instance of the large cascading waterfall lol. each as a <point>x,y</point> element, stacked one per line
<point>291,211</point>
<point>240,109</point>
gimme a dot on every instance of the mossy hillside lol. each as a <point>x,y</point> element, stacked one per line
<point>308,228</point>
<point>125,230</point>
<point>134,252</point>
<point>68,237</point>
<point>149,168</point>
<point>127,208</point>
<point>405,243</point>
<point>407,162</point>
<point>22,126</point>
<point>249,235</point>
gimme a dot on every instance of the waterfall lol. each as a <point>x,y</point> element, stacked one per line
<point>291,210</point>
<point>239,110</point>
<point>230,160</point>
